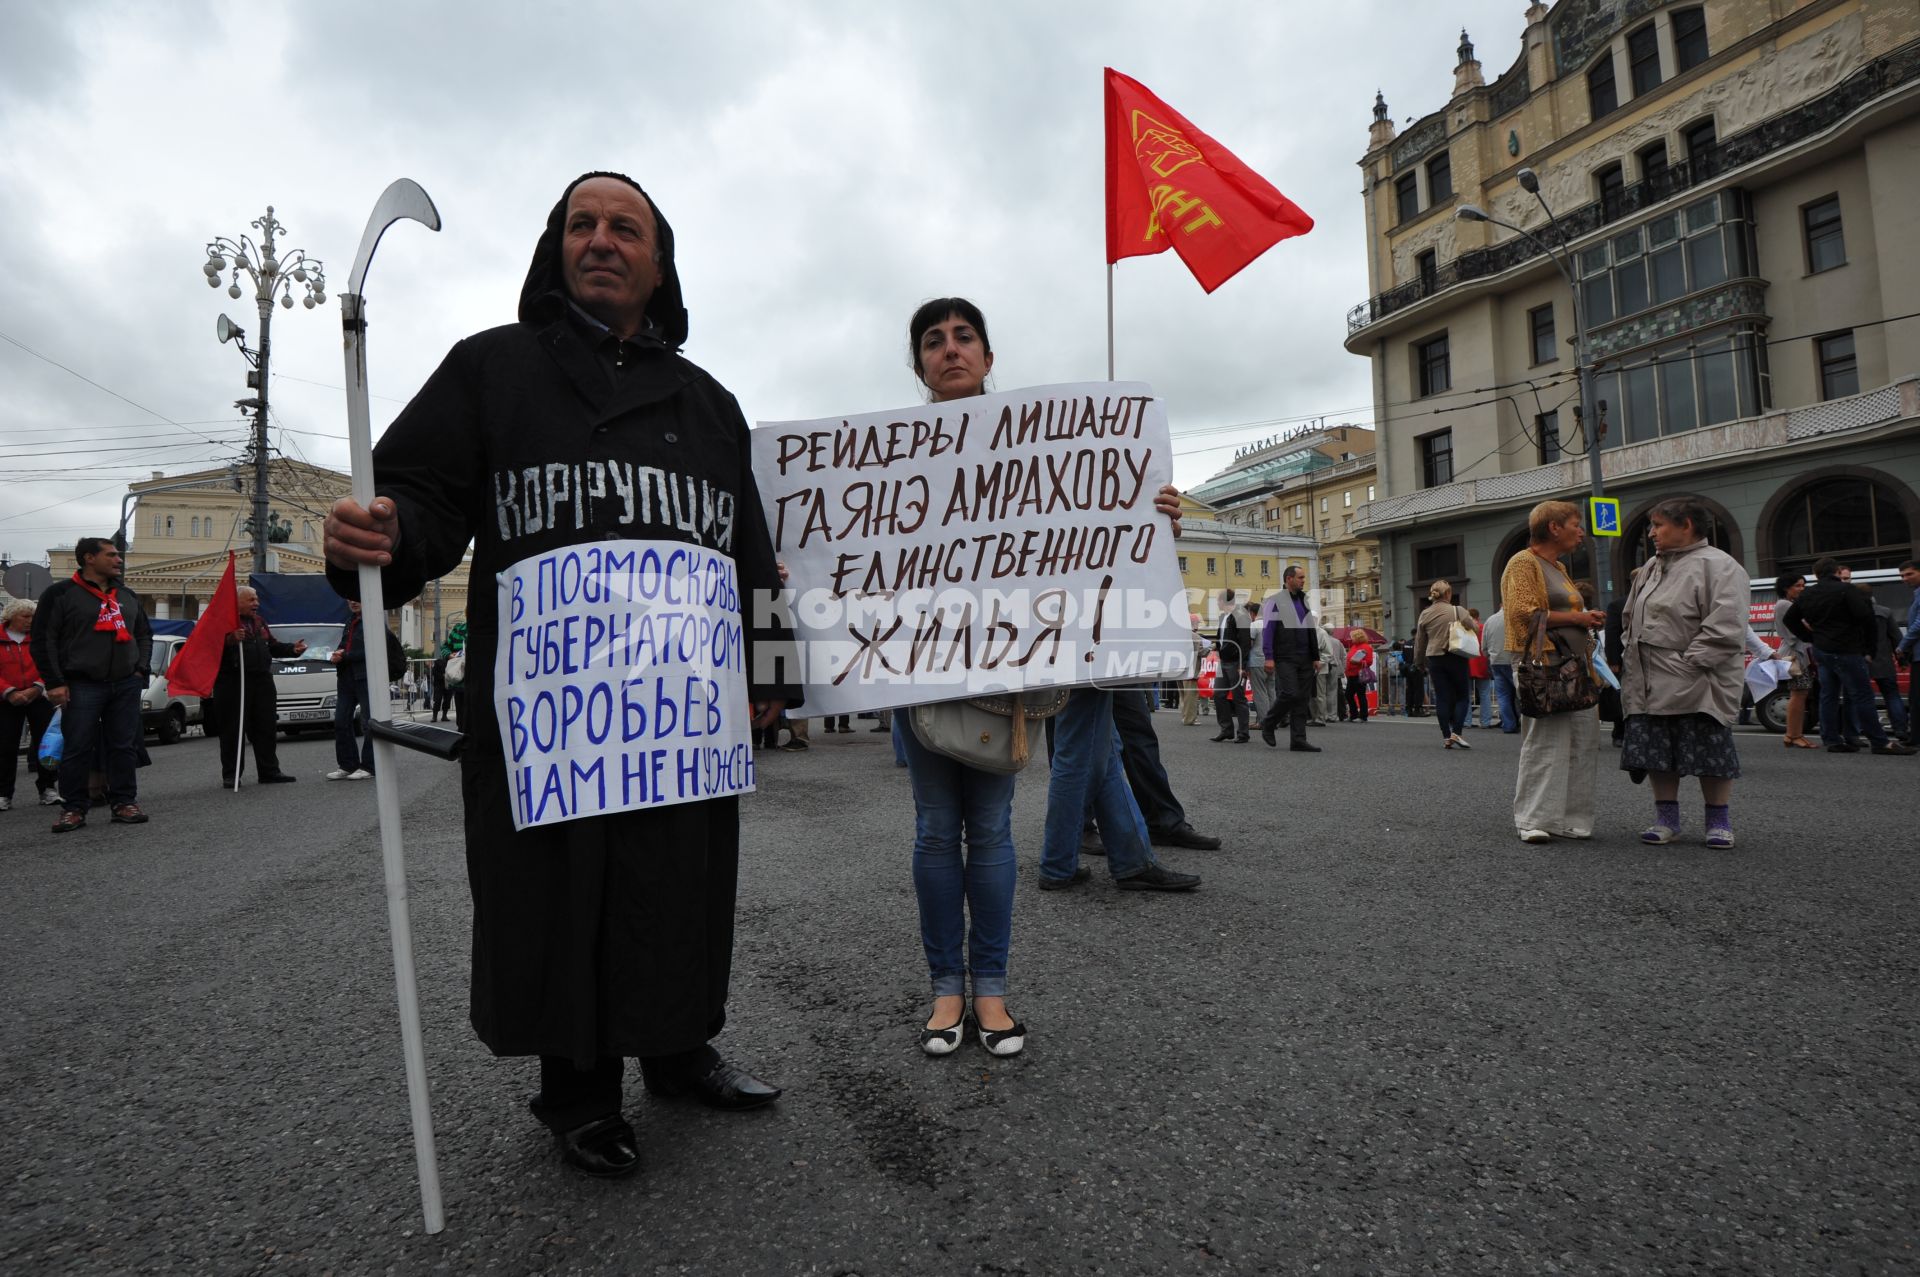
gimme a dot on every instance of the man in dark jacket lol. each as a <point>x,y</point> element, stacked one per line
<point>1229,701</point>
<point>1290,638</point>
<point>248,655</point>
<point>90,643</point>
<point>350,692</point>
<point>606,933</point>
<point>1838,621</point>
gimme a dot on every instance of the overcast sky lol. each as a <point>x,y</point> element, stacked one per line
<point>826,167</point>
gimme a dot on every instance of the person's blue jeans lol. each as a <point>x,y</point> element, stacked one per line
<point>1090,779</point>
<point>350,689</point>
<point>1896,708</point>
<point>952,801</point>
<point>1480,696</point>
<point>100,714</point>
<point>1507,697</point>
<point>1844,674</point>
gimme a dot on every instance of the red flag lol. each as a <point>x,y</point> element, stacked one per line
<point>197,663</point>
<point>1171,186</point>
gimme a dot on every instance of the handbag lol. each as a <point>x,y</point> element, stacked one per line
<point>1548,683</point>
<point>1461,639</point>
<point>456,669</point>
<point>986,732</point>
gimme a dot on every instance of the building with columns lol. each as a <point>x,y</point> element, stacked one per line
<point>178,538</point>
<point>1733,184</point>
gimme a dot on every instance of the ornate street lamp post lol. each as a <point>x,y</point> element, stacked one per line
<point>275,278</point>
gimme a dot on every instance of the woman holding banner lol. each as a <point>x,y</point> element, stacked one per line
<point>970,899</point>
<point>966,899</point>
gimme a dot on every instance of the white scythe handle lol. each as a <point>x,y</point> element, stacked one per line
<point>403,199</point>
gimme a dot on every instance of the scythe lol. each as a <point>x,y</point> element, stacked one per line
<point>403,199</point>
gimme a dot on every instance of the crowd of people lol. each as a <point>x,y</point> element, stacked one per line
<point>610,937</point>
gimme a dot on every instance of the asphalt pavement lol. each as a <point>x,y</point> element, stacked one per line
<point>1383,1037</point>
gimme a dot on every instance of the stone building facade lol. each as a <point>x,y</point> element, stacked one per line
<point>1311,485</point>
<point>1733,185</point>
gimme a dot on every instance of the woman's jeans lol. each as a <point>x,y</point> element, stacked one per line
<point>952,800</point>
<point>1448,674</point>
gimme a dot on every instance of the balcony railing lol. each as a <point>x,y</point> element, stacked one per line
<point>1790,127</point>
<point>1537,483</point>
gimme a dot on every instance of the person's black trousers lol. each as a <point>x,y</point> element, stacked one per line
<point>1140,755</point>
<point>1229,705</point>
<point>1416,692</point>
<point>571,1096</point>
<point>1292,689</point>
<point>1450,683</point>
<point>260,727</point>
<point>1356,699</point>
<point>34,715</point>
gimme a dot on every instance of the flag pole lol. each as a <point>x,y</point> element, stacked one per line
<point>402,199</point>
<point>1109,321</point>
<point>240,725</point>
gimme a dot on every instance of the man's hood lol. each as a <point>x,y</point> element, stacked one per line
<point>543,297</point>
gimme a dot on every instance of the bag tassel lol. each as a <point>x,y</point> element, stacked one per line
<point>1019,733</point>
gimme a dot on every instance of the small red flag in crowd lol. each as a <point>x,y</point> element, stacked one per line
<point>197,663</point>
<point>1171,186</point>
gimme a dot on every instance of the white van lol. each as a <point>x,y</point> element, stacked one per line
<point>164,714</point>
<point>305,684</point>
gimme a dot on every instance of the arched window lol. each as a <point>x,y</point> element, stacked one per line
<point>1579,564</point>
<point>169,525</point>
<point>1859,520</point>
<point>1636,546</point>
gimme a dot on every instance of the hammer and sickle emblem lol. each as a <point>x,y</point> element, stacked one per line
<point>1164,147</point>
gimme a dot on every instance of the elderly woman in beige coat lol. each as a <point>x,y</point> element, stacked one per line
<point>1683,633</point>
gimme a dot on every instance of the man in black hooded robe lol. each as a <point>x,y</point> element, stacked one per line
<point>610,935</point>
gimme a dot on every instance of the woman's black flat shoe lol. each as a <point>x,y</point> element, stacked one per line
<point>1010,1042</point>
<point>944,1041</point>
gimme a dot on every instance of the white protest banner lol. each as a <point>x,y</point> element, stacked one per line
<point>620,681</point>
<point>980,545</point>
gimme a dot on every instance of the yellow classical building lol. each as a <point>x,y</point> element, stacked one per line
<point>178,537</point>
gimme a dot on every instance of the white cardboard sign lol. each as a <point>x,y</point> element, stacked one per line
<point>981,545</point>
<point>620,681</point>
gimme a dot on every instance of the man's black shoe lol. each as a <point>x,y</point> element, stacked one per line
<point>1224,736</point>
<point>1859,742</point>
<point>1843,749</point>
<point>719,1085</point>
<point>278,778</point>
<point>1080,875</point>
<point>1893,747</point>
<point>1090,844</point>
<point>1159,878</point>
<point>605,1148</point>
<point>1266,734</point>
<point>1241,739</point>
<point>1301,747</point>
<point>1184,835</point>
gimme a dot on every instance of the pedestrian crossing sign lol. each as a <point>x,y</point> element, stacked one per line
<point>1604,516</point>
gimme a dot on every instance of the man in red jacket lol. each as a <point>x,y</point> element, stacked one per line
<point>23,701</point>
